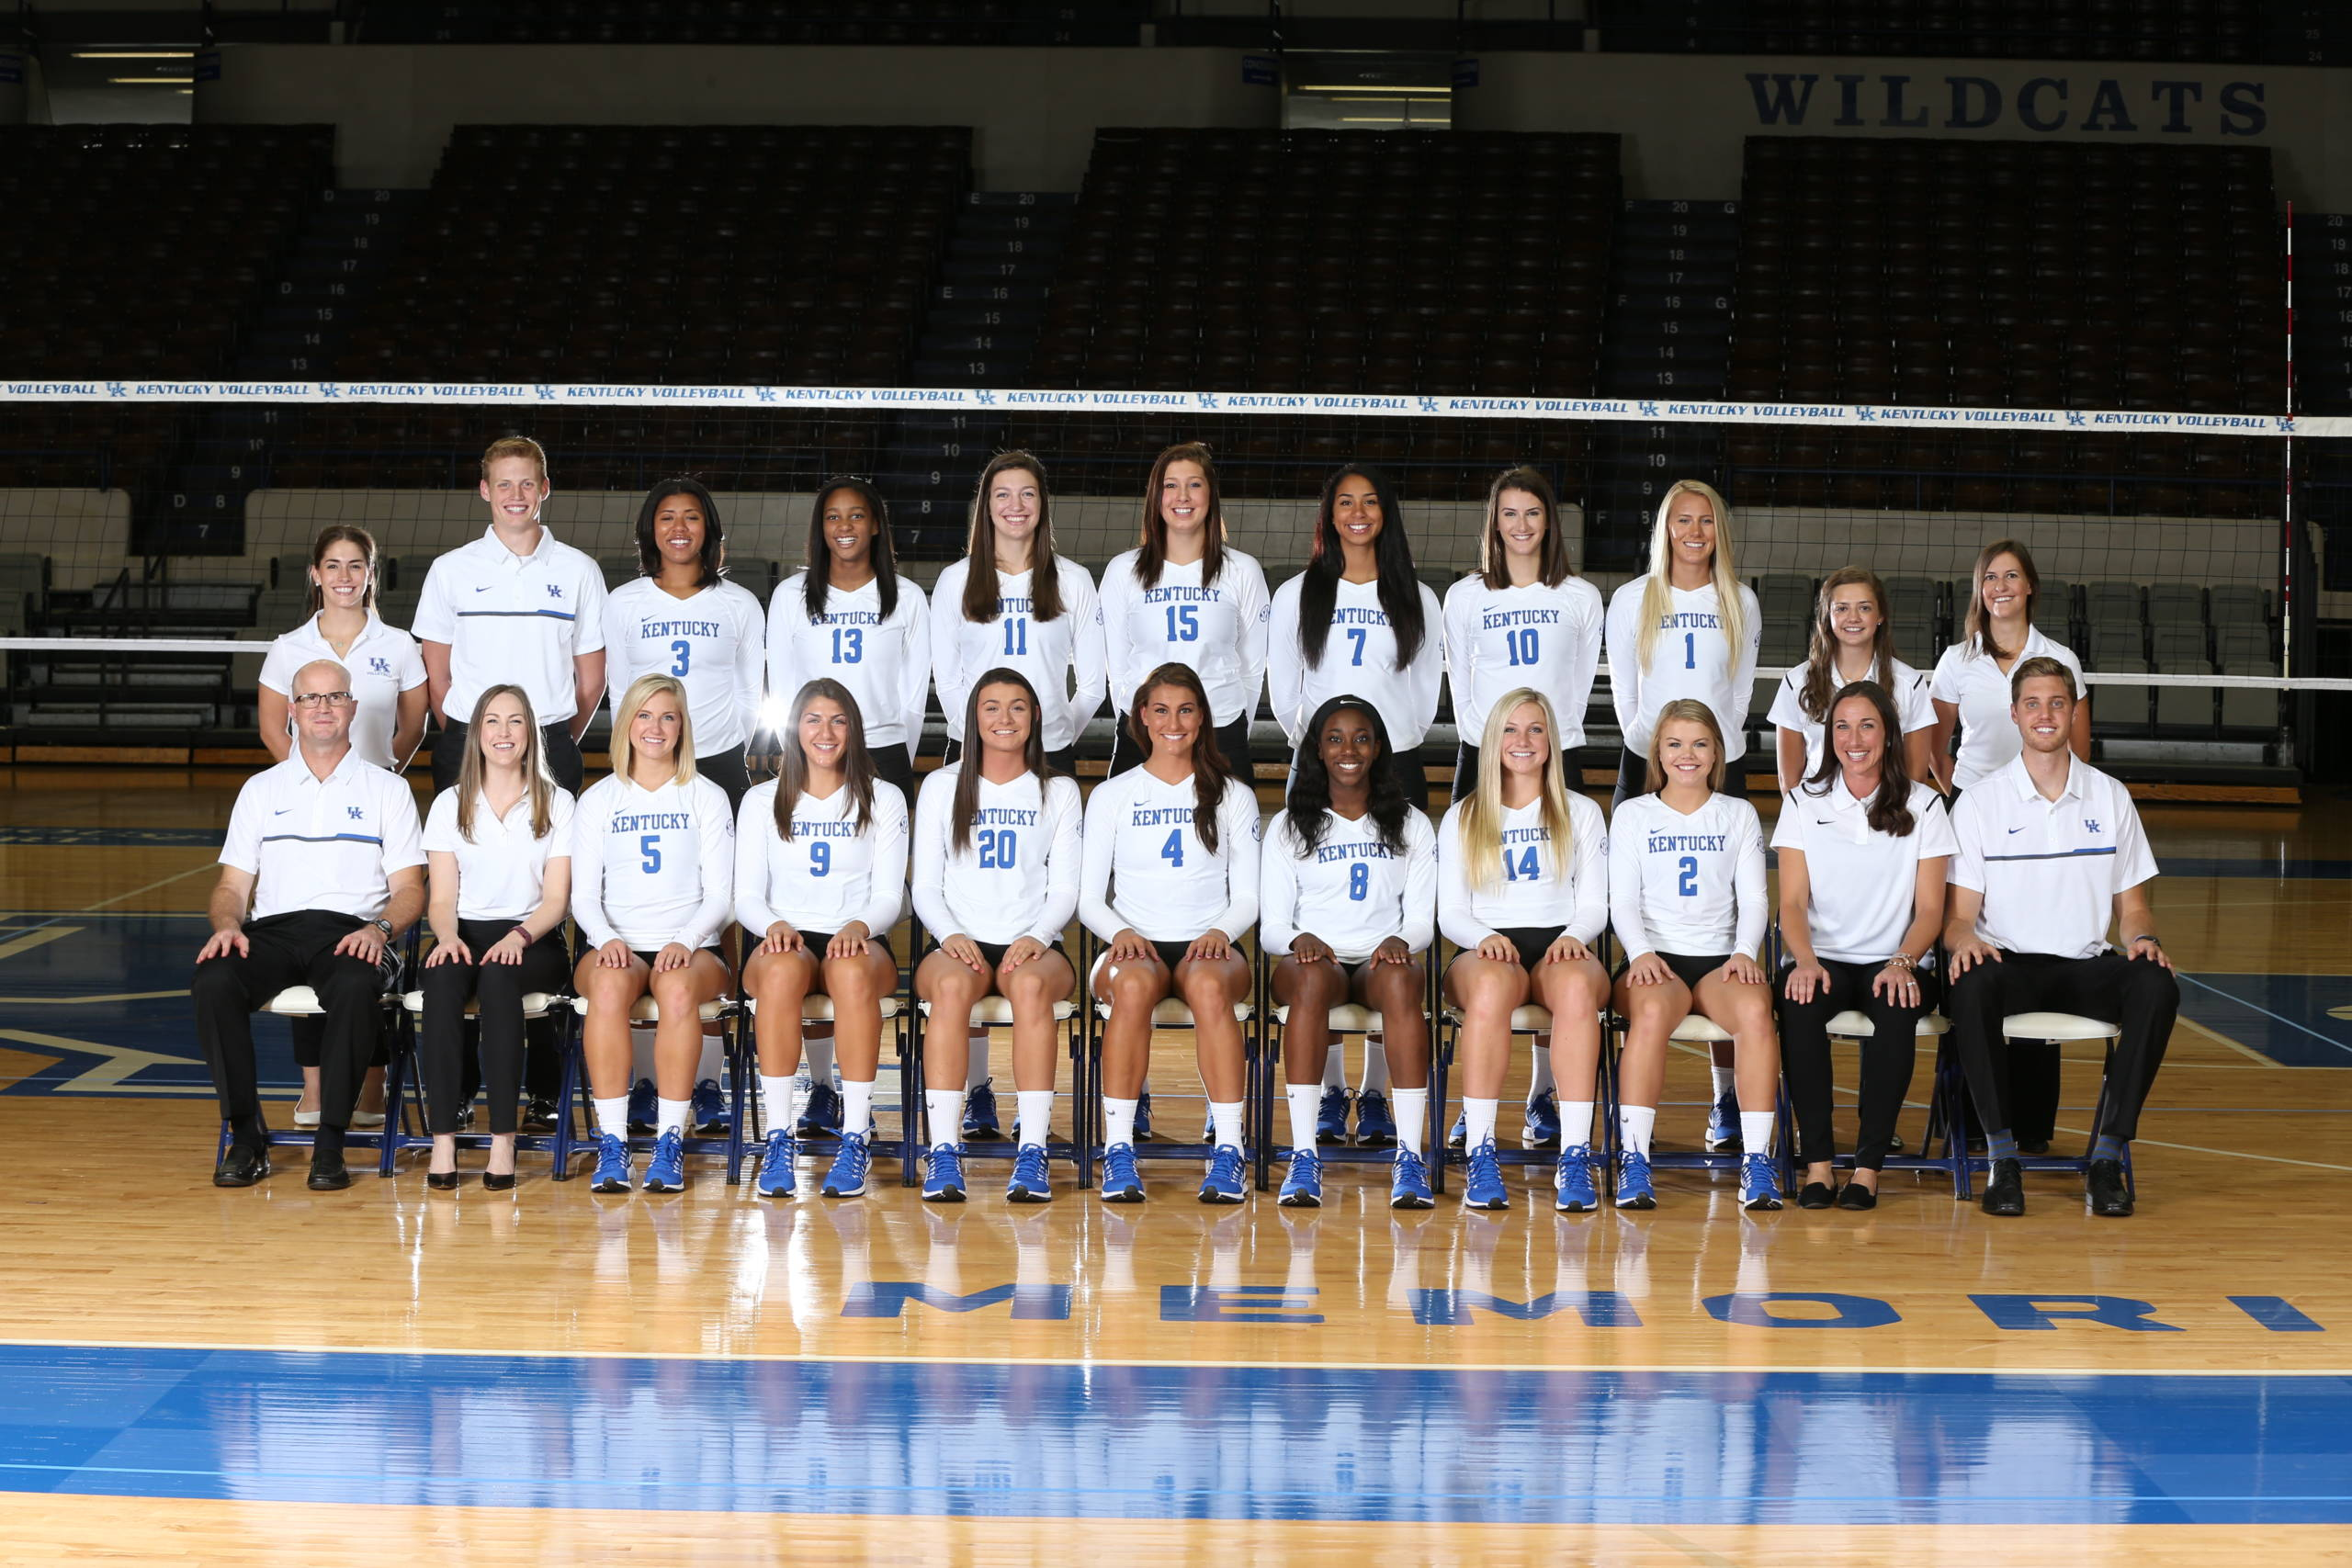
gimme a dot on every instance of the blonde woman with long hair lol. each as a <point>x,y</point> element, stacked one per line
<point>1523,891</point>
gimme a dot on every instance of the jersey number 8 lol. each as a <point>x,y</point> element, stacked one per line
<point>1359,882</point>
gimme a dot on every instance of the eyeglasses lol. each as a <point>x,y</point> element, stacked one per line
<point>332,699</point>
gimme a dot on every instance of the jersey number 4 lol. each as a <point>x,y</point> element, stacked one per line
<point>1173,852</point>
<point>999,849</point>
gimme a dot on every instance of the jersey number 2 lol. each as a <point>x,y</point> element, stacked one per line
<point>1687,884</point>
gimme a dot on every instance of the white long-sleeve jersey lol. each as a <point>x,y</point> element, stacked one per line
<point>1689,885</point>
<point>714,641</point>
<point>1690,657</point>
<point>830,872</point>
<point>1217,628</point>
<point>1359,657</point>
<point>1018,876</point>
<point>1500,638</point>
<point>1353,892</point>
<point>1063,658</point>
<point>1530,887</point>
<point>652,866</point>
<point>1147,870</point>
<point>885,664</point>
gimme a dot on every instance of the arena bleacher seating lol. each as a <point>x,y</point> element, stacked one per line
<point>937,23</point>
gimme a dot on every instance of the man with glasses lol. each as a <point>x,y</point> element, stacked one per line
<point>324,854</point>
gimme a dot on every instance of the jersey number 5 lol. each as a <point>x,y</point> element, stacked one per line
<point>651,847</point>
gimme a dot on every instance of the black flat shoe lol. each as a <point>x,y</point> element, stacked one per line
<point>492,1181</point>
<point>241,1166</point>
<point>539,1115</point>
<point>443,1181</point>
<point>2104,1188</point>
<point>328,1174</point>
<point>1815,1195</point>
<point>2033,1146</point>
<point>2004,1194</point>
<point>1854,1195</point>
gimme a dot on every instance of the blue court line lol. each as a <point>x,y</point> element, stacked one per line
<point>1282,1443</point>
<point>2265,1012</point>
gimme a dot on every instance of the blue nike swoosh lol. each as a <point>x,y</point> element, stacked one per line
<point>481,589</point>
<point>281,813</point>
<point>2017,829</point>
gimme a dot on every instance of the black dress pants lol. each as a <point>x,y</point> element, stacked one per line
<point>2139,996</point>
<point>292,949</point>
<point>1888,1056</point>
<point>500,986</point>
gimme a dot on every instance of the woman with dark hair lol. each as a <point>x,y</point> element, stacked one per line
<point>1686,897</point>
<point>499,848</point>
<point>1185,596</point>
<point>1971,686</point>
<point>820,877</point>
<point>1523,619</point>
<point>849,617</point>
<point>997,842</point>
<point>683,619</point>
<point>389,693</point>
<point>1346,901</point>
<point>1864,854</point>
<point>1852,641</point>
<point>1358,620</point>
<point>1012,604</point>
<point>1171,886</point>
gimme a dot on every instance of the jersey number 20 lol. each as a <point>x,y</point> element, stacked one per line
<point>999,849</point>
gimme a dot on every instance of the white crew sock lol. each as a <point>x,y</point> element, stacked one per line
<point>817,1051</point>
<point>1335,1067</point>
<point>1477,1120</point>
<point>1035,1115</point>
<point>1412,1114</point>
<point>1303,1100</point>
<point>1541,1084</point>
<point>1118,1121</point>
<point>708,1067</point>
<point>612,1116</point>
<point>1721,1077</point>
<point>1633,1124</point>
<point>1575,1123</point>
<point>1756,1132</point>
<point>779,1096</point>
<point>1227,1119</point>
<point>857,1107</point>
<point>946,1108</point>
<point>977,1073</point>
<point>1376,1064</point>
<point>671,1114</point>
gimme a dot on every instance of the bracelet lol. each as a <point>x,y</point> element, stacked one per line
<point>1904,962</point>
<point>2150,939</point>
<point>522,930</point>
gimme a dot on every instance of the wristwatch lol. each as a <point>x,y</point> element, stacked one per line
<point>384,926</point>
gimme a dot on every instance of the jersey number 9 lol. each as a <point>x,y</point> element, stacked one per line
<point>820,859</point>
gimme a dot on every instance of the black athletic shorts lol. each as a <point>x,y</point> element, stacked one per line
<point>818,941</point>
<point>994,952</point>
<point>1533,942</point>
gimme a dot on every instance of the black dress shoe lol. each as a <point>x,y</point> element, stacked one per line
<point>2005,1194</point>
<point>492,1181</point>
<point>2109,1194</point>
<point>241,1166</point>
<point>1814,1195</point>
<point>538,1114</point>
<point>1854,1195</point>
<point>443,1181</point>
<point>2033,1146</point>
<point>328,1173</point>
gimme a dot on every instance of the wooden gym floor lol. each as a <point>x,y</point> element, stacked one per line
<point>280,1376</point>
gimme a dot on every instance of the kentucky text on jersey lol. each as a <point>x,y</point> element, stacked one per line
<point>1327,854</point>
<point>1527,835</point>
<point>829,828</point>
<point>1494,620</point>
<point>1161,817</point>
<point>1683,620</point>
<point>653,822</point>
<point>1172,595</point>
<point>1353,617</point>
<point>1005,816</point>
<point>1005,606</point>
<point>847,618</point>
<point>661,629</point>
<point>1682,843</point>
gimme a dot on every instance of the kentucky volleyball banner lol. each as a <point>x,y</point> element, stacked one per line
<point>1637,411</point>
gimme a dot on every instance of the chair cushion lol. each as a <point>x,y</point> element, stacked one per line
<point>820,1009</point>
<point>535,1004</point>
<point>1696,1030</point>
<point>2056,1026</point>
<point>1854,1024</point>
<point>997,1012</point>
<point>1346,1019</point>
<point>645,1010</point>
<point>295,1001</point>
<point>1172,1014</point>
<point>1527,1020</point>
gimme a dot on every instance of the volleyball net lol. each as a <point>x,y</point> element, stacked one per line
<point>147,528</point>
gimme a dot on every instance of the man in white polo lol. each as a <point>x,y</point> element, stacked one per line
<point>322,871</point>
<point>516,604</point>
<point>2050,850</point>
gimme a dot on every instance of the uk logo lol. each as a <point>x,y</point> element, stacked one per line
<point>555,590</point>
<point>2090,824</point>
<point>1207,399</point>
<point>1429,405</point>
<point>379,666</point>
<point>2074,416</point>
<point>767,394</point>
<point>1650,409</point>
<point>984,398</point>
<point>117,389</point>
<point>355,813</point>
<point>1867,415</point>
<point>330,389</point>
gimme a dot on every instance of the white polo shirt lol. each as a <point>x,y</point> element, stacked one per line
<point>2049,869</point>
<point>383,662</point>
<point>510,617</point>
<point>714,641</point>
<point>1976,685</point>
<point>502,874</point>
<point>1913,709</point>
<point>1863,884</point>
<point>331,843</point>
